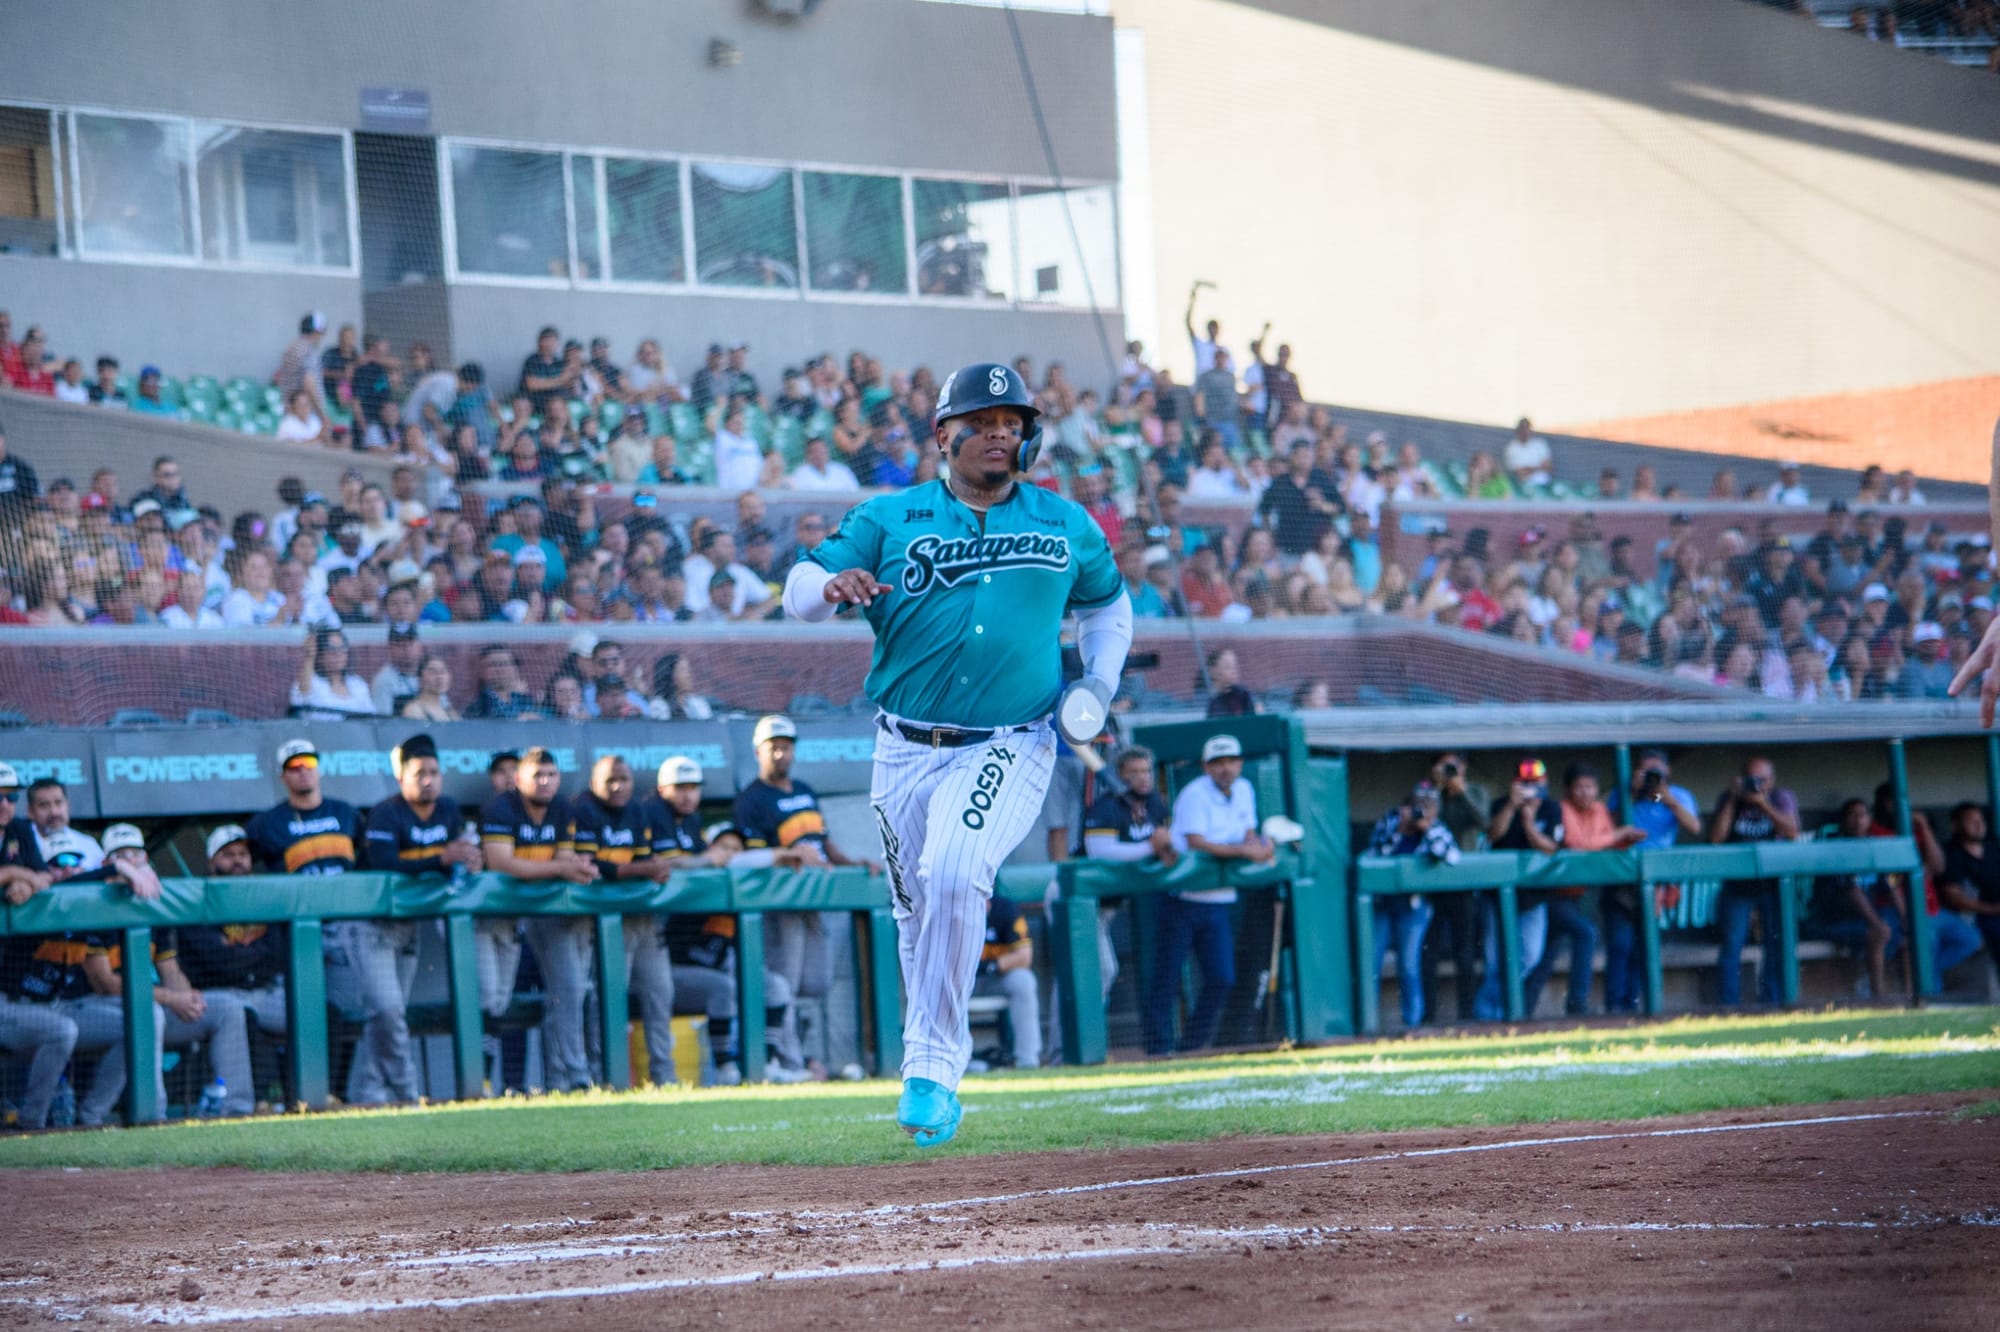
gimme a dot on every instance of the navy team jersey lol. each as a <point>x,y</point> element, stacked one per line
<point>505,822</point>
<point>968,634</point>
<point>1006,930</point>
<point>611,837</point>
<point>401,842</point>
<point>320,840</point>
<point>232,957</point>
<point>1126,819</point>
<point>673,834</point>
<point>769,817</point>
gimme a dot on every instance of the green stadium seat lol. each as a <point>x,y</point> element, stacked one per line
<point>226,420</point>
<point>788,435</point>
<point>199,408</point>
<point>170,390</point>
<point>686,422</point>
<point>205,384</point>
<point>820,423</point>
<point>1260,443</point>
<point>656,419</point>
<point>611,416</point>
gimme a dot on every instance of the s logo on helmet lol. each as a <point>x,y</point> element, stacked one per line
<point>996,381</point>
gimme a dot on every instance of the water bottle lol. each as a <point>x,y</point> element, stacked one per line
<point>214,1098</point>
<point>62,1110</point>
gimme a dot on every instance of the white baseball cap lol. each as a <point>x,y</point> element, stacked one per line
<point>9,779</point>
<point>680,770</point>
<point>293,749</point>
<point>1221,747</point>
<point>123,837</point>
<point>227,834</point>
<point>776,726</point>
<point>1875,592</point>
<point>1929,631</point>
<point>583,644</point>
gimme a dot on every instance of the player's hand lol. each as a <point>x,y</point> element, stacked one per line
<point>187,1005</point>
<point>1985,657</point>
<point>854,587</point>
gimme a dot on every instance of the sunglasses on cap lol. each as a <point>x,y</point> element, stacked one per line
<point>302,761</point>
<point>1533,770</point>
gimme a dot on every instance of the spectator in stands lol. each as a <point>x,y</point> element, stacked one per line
<point>300,364</point>
<point>1525,819</point>
<point>147,399</point>
<point>1217,476</point>
<point>1216,404</point>
<point>396,684</point>
<point>325,690</point>
<point>1224,681</point>
<point>1300,504</point>
<point>1007,965</point>
<point>1754,808</point>
<point>1905,490</point>
<point>1215,815</point>
<point>617,834</point>
<point>738,458</point>
<point>630,450</point>
<point>19,486</point>
<point>1401,919</point>
<point>28,372</point>
<point>1527,457</point>
<point>1970,883</point>
<point>674,692</point>
<point>432,702</point>
<point>374,381</point>
<point>104,390</point>
<point>167,490</point>
<point>1663,812</point>
<point>563,699</point>
<point>544,375</point>
<point>302,422</point>
<point>69,386</point>
<point>650,379</point>
<point>820,472</point>
<point>526,833</point>
<point>1953,938</point>
<point>1929,674</point>
<point>1788,488</point>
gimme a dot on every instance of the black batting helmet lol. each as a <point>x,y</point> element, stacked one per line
<point>990,384</point>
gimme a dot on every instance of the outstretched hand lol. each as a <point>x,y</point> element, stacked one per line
<point>1985,657</point>
<point>854,587</point>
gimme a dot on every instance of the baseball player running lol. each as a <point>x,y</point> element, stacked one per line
<point>966,581</point>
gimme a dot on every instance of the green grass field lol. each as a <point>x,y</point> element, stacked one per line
<point>1543,1075</point>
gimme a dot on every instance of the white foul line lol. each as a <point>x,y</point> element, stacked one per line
<point>1109,1186</point>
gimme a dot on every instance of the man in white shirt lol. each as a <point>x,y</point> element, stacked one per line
<point>718,553</point>
<point>738,460</point>
<point>1788,489</point>
<point>1527,457</point>
<point>1214,815</point>
<point>65,851</point>
<point>820,472</point>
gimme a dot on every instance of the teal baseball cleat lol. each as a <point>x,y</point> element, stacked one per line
<point>928,1112</point>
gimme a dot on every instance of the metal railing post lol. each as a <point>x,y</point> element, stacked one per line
<point>142,1030</point>
<point>613,1006</point>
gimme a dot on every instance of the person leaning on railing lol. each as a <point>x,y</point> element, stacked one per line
<point>1663,812</point>
<point>1525,819</point>
<point>1462,806</point>
<point>1413,828</point>
<point>1587,826</point>
<point>1753,808</point>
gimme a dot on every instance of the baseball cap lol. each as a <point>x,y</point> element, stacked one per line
<point>449,502</point>
<point>1221,747</point>
<point>1788,465</point>
<point>718,829</point>
<point>583,643</point>
<point>1875,592</point>
<point>10,780</point>
<point>1682,519</point>
<point>1980,603</point>
<point>1930,631</point>
<point>1837,506</point>
<point>715,349</point>
<point>634,412</point>
<point>531,555</point>
<point>93,500</point>
<point>149,372</point>
<point>297,749</point>
<point>680,770</point>
<point>227,834</point>
<point>123,837</point>
<point>145,506</point>
<point>1531,536</point>
<point>776,726</point>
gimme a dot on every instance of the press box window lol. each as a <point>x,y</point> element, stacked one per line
<point>507,212</point>
<point>272,197</point>
<point>28,209</point>
<point>965,239</point>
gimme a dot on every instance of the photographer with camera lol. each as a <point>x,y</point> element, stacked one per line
<point>1462,805</point>
<point>1414,828</point>
<point>1753,809</point>
<point>1663,812</point>
<point>1525,819</point>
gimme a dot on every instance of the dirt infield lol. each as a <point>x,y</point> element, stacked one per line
<point>1857,1215</point>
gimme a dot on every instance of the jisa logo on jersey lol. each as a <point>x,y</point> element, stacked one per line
<point>935,561</point>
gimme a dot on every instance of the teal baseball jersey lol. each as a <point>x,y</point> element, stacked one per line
<point>968,634</point>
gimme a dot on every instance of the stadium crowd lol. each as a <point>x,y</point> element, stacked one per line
<point>1865,608</point>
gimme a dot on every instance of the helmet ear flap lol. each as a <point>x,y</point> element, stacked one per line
<point>1031,448</point>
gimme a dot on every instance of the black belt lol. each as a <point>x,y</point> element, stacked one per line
<point>937,737</point>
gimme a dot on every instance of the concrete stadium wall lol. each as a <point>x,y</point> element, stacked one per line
<point>1566,208</point>
<point>864,82</point>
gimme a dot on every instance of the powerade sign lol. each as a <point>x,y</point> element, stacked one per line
<point>646,748</point>
<point>833,757</point>
<point>141,769</point>
<point>63,755</point>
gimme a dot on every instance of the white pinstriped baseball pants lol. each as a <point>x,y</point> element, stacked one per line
<point>948,819</point>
